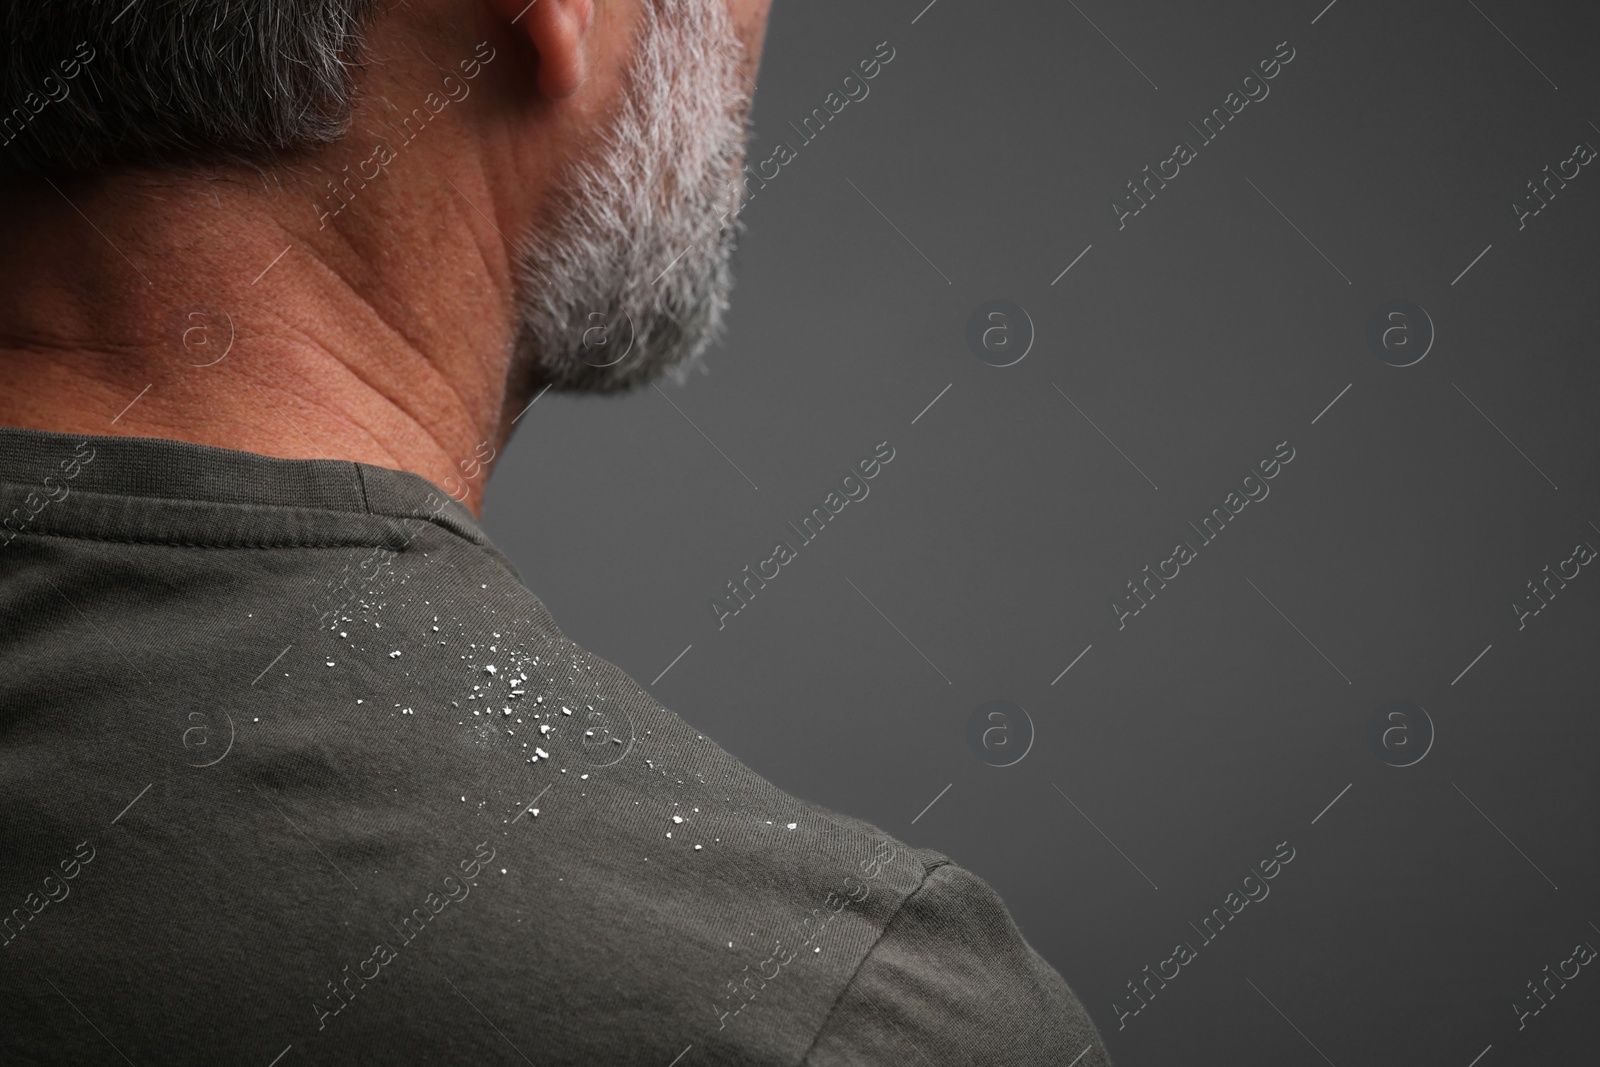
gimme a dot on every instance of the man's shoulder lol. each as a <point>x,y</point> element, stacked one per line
<point>412,804</point>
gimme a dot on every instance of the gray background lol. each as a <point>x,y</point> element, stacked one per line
<point>1226,716</point>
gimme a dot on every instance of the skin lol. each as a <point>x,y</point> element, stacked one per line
<point>383,336</point>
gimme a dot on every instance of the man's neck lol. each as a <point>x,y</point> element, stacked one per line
<point>220,313</point>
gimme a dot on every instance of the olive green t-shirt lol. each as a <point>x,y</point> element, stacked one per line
<point>295,770</point>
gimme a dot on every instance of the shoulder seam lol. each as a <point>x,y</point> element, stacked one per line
<point>927,871</point>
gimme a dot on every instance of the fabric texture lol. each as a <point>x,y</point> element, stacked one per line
<point>294,769</point>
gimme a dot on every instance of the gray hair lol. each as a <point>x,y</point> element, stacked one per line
<point>93,83</point>
<point>631,277</point>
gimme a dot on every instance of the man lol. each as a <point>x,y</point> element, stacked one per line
<point>294,768</point>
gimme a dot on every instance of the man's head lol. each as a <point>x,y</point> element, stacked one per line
<point>589,148</point>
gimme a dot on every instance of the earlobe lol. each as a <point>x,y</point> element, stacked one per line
<point>556,29</point>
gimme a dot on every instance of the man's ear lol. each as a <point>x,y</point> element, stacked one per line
<point>556,29</point>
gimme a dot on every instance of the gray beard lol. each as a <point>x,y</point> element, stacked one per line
<point>631,280</point>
